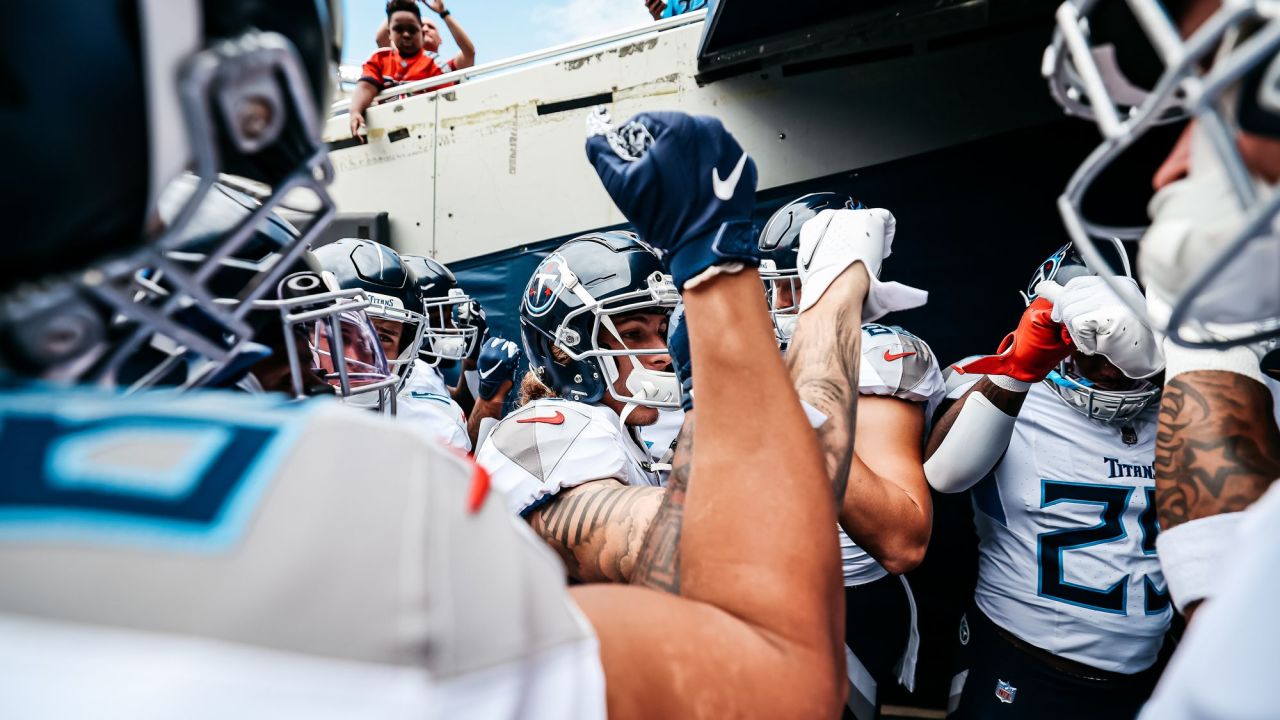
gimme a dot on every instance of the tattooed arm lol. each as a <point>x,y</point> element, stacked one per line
<point>597,528</point>
<point>1217,447</point>
<point>658,566</point>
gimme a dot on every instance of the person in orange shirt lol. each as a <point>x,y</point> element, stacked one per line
<point>410,56</point>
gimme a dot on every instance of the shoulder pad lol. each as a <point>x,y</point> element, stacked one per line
<point>549,445</point>
<point>898,364</point>
<point>958,383</point>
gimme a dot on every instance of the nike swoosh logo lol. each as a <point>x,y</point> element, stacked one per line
<point>492,370</point>
<point>557,419</point>
<point>724,188</point>
<point>890,357</point>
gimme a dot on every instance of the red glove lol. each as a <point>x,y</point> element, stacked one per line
<point>1031,351</point>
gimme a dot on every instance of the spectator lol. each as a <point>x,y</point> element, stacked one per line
<point>661,9</point>
<point>409,57</point>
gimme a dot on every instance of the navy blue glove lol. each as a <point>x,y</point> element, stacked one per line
<point>497,365</point>
<point>681,358</point>
<point>688,188</point>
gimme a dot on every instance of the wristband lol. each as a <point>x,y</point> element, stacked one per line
<point>445,13</point>
<point>1239,360</point>
<point>1004,382</point>
<point>1192,555</point>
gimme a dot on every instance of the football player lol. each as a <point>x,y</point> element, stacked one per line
<point>168,554</point>
<point>594,322</point>
<point>457,332</point>
<point>1057,445</point>
<point>886,513</point>
<point>1209,259</point>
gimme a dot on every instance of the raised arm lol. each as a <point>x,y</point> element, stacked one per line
<point>969,439</point>
<point>466,56</point>
<point>757,625</point>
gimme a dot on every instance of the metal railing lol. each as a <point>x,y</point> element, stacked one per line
<point>555,52</point>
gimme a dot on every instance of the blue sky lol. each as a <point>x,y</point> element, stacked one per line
<point>501,28</point>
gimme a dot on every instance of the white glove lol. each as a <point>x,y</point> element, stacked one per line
<point>1101,323</point>
<point>835,239</point>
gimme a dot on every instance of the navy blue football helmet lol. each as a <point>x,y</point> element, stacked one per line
<point>220,88</point>
<point>779,250</point>
<point>1110,406</point>
<point>280,318</point>
<point>384,279</point>
<point>571,299</point>
<point>451,333</point>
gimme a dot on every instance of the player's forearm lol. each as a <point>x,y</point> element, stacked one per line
<point>1217,446</point>
<point>967,442</point>
<point>658,566</point>
<point>823,361</point>
<point>598,528</point>
<point>787,542</point>
<point>884,519</point>
<point>482,409</point>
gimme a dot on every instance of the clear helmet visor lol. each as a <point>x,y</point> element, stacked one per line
<point>346,352</point>
<point>400,333</point>
<point>1210,256</point>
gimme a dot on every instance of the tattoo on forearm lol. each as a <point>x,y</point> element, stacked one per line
<point>597,528</point>
<point>1217,446</point>
<point>658,566</point>
<point>823,361</point>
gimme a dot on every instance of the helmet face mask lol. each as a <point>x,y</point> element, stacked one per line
<point>449,336</point>
<point>238,101</point>
<point>1108,406</point>
<point>577,296</point>
<point>782,293</point>
<point>346,352</point>
<point>1239,44</point>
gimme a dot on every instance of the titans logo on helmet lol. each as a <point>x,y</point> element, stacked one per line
<point>545,286</point>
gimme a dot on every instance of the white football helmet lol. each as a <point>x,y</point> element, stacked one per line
<point>1211,257</point>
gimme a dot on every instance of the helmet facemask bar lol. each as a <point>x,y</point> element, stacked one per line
<point>650,388</point>
<point>225,330</point>
<point>1208,97</point>
<point>413,326</point>
<point>1108,406</point>
<point>448,336</point>
<point>782,295</point>
<point>346,352</point>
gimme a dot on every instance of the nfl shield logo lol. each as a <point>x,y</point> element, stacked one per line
<point>1005,692</point>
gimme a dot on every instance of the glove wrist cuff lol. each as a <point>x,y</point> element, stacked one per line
<point>734,242</point>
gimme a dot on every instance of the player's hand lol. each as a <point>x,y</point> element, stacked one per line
<point>681,358</point>
<point>1100,322</point>
<point>685,184</point>
<point>833,240</point>
<point>1031,351</point>
<point>497,366</point>
<point>357,125</point>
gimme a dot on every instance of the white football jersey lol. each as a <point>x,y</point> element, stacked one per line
<point>659,437</point>
<point>551,444</point>
<point>1225,666</point>
<point>897,364</point>
<point>425,402</point>
<point>218,555</point>
<point>1067,537</point>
